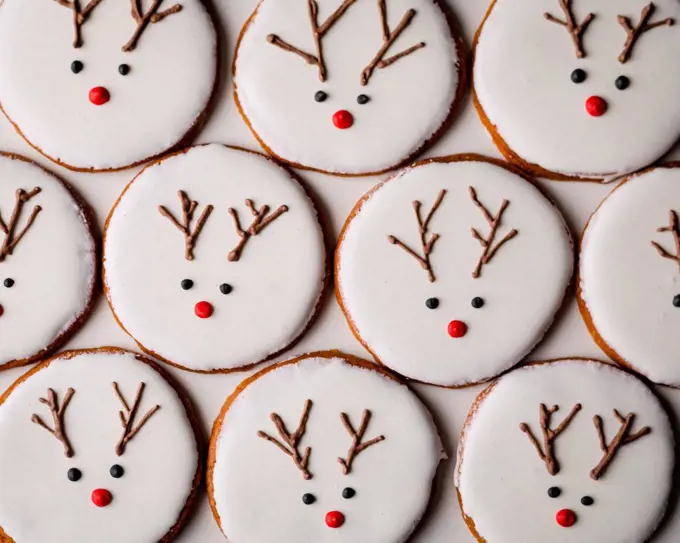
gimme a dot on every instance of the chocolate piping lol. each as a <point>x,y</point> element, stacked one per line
<point>674,228</point>
<point>357,446</point>
<point>260,222</point>
<point>57,413</point>
<point>575,31</point>
<point>622,438</point>
<point>127,417</point>
<point>188,208</point>
<point>144,19</point>
<point>80,16</point>
<point>12,239</point>
<point>634,33</point>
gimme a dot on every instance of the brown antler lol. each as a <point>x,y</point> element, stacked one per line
<point>674,228</point>
<point>489,249</point>
<point>643,26</point>
<point>127,417</point>
<point>144,19</point>
<point>12,239</point>
<point>622,438</point>
<point>318,31</point>
<point>292,440</point>
<point>547,452</point>
<point>188,208</point>
<point>389,37</point>
<point>261,221</point>
<point>80,16</point>
<point>357,446</point>
<point>424,227</point>
<point>576,31</point>
<point>57,413</point>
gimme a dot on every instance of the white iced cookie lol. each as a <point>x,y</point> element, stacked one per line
<point>348,87</point>
<point>103,448</point>
<point>105,84</point>
<point>322,448</point>
<point>629,276</point>
<point>48,262</point>
<point>452,271</point>
<point>580,88</point>
<point>214,259</point>
<point>565,452</point>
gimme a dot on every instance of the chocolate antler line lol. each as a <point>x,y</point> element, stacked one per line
<point>143,20</point>
<point>57,412</point>
<point>128,415</point>
<point>188,208</point>
<point>80,16</point>
<point>674,228</point>
<point>357,447</point>
<point>575,30</point>
<point>634,32</point>
<point>260,222</point>
<point>622,438</point>
<point>12,239</point>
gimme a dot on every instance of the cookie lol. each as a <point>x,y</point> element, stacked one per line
<point>452,271</point>
<point>308,451</point>
<point>574,450</point>
<point>99,85</point>
<point>347,87</point>
<point>103,448</point>
<point>214,259</point>
<point>48,262</point>
<point>580,89</point>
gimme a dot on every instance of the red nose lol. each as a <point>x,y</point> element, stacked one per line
<point>335,519</point>
<point>99,96</point>
<point>343,119</point>
<point>204,310</point>
<point>2,310</point>
<point>596,106</point>
<point>457,329</point>
<point>566,518</point>
<point>101,497</point>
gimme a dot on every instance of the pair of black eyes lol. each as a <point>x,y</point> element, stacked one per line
<point>322,96</point>
<point>116,471</point>
<point>9,283</point>
<point>555,492</point>
<point>579,76</point>
<point>77,66</point>
<point>188,284</point>
<point>433,303</point>
<point>347,493</point>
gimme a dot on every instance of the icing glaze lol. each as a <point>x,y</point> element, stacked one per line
<point>80,498</point>
<point>589,124</point>
<point>508,495</point>
<point>416,303</point>
<point>200,314</point>
<point>629,275</point>
<point>351,127</point>
<point>112,108</point>
<point>259,494</point>
<point>47,282</point>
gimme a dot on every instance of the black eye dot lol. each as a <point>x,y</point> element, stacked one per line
<point>116,471</point>
<point>477,302</point>
<point>676,301</point>
<point>363,99</point>
<point>77,66</point>
<point>9,283</point>
<point>124,69</point>
<point>320,96</point>
<point>622,82</point>
<point>226,288</point>
<point>432,303</point>
<point>587,501</point>
<point>308,499</point>
<point>74,474</point>
<point>348,493</point>
<point>578,75</point>
<point>554,492</point>
<point>187,284</point>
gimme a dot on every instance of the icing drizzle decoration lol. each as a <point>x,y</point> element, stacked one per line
<point>12,239</point>
<point>547,452</point>
<point>261,221</point>
<point>57,413</point>
<point>127,417</point>
<point>643,26</point>
<point>423,227</point>
<point>674,228</point>
<point>144,19</point>
<point>357,446</point>
<point>576,31</point>
<point>188,208</point>
<point>80,16</point>
<point>622,438</point>
<point>292,440</point>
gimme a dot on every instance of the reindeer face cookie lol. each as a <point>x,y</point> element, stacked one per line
<point>580,88</point>
<point>307,451</point>
<point>214,259</point>
<point>452,271</point>
<point>109,446</point>
<point>347,87</point>
<point>565,452</point>
<point>48,267</point>
<point>105,84</point>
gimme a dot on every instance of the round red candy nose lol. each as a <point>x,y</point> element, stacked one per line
<point>2,310</point>
<point>566,518</point>
<point>99,96</point>
<point>204,310</point>
<point>457,329</point>
<point>101,497</point>
<point>343,119</point>
<point>335,519</point>
<point>596,106</point>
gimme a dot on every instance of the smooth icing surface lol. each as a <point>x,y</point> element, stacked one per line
<point>159,463</point>
<point>276,283</point>
<point>172,72</point>
<point>52,267</point>
<point>258,490</point>
<point>409,100</point>
<point>522,75</point>
<point>385,291</point>
<point>503,484</point>
<point>626,285</point>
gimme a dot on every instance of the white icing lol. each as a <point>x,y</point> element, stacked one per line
<point>53,266</point>
<point>159,462</point>
<point>384,289</point>
<point>173,69</point>
<point>504,484</point>
<point>627,287</point>
<point>410,100</point>
<point>522,77</point>
<point>277,283</point>
<point>258,490</point>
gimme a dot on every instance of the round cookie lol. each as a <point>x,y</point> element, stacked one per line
<point>565,452</point>
<point>48,262</point>
<point>452,271</point>
<point>214,259</point>
<point>99,85</point>
<point>629,274</point>
<point>348,87</point>
<point>103,448</point>
<point>307,451</point>
<point>580,88</point>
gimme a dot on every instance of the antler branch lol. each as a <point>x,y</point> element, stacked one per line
<point>634,32</point>
<point>357,446</point>
<point>144,19</point>
<point>547,452</point>
<point>576,31</point>
<point>188,208</point>
<point>80,16</point>
<point>261,221</point>
<point>12,239</point>
<point>57,413</point>
<point>674,228</point>
<point>622,438</point>
<point>128,415</point>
